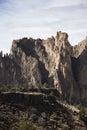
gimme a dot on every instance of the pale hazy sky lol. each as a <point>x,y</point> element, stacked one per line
<point>41,18</point>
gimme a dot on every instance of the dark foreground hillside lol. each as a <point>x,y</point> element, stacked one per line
<point>37,111</point>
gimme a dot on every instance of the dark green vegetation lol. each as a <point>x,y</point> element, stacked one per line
<point>37,111</point>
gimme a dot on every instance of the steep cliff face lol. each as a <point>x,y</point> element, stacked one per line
<point>54,62</point>
<point>46,61</point>
<point>9,71</point>
<point>80,68</point>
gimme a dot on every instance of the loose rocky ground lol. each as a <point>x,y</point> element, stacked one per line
<point>37,111</point>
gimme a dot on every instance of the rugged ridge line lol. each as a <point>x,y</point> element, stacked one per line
<point>52,63</point>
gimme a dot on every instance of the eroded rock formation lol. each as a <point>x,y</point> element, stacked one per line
<point>53,62</point>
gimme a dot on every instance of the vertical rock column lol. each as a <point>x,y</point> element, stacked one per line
<point>63,74</point>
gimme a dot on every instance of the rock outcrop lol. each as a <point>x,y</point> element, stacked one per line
<point>79,63</point>
<point>52,63</point>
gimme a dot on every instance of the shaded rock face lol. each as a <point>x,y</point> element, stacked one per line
<point>80,68</point>
<point>54,62</point>
<point>9,71</point>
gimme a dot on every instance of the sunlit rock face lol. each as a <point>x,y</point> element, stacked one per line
<point>53,62</point>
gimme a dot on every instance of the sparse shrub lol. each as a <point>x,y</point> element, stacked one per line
<point>51,93</point>
<point>83,114</point>
<point>27,126</point>
<point>83,110</point>
<point>45,85</point>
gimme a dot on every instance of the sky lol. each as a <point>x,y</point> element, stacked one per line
<point>41,19</point>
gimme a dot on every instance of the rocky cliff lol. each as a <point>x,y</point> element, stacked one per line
<point>52,63</point>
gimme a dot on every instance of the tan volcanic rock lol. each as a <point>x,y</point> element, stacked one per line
<point>53,62</point>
